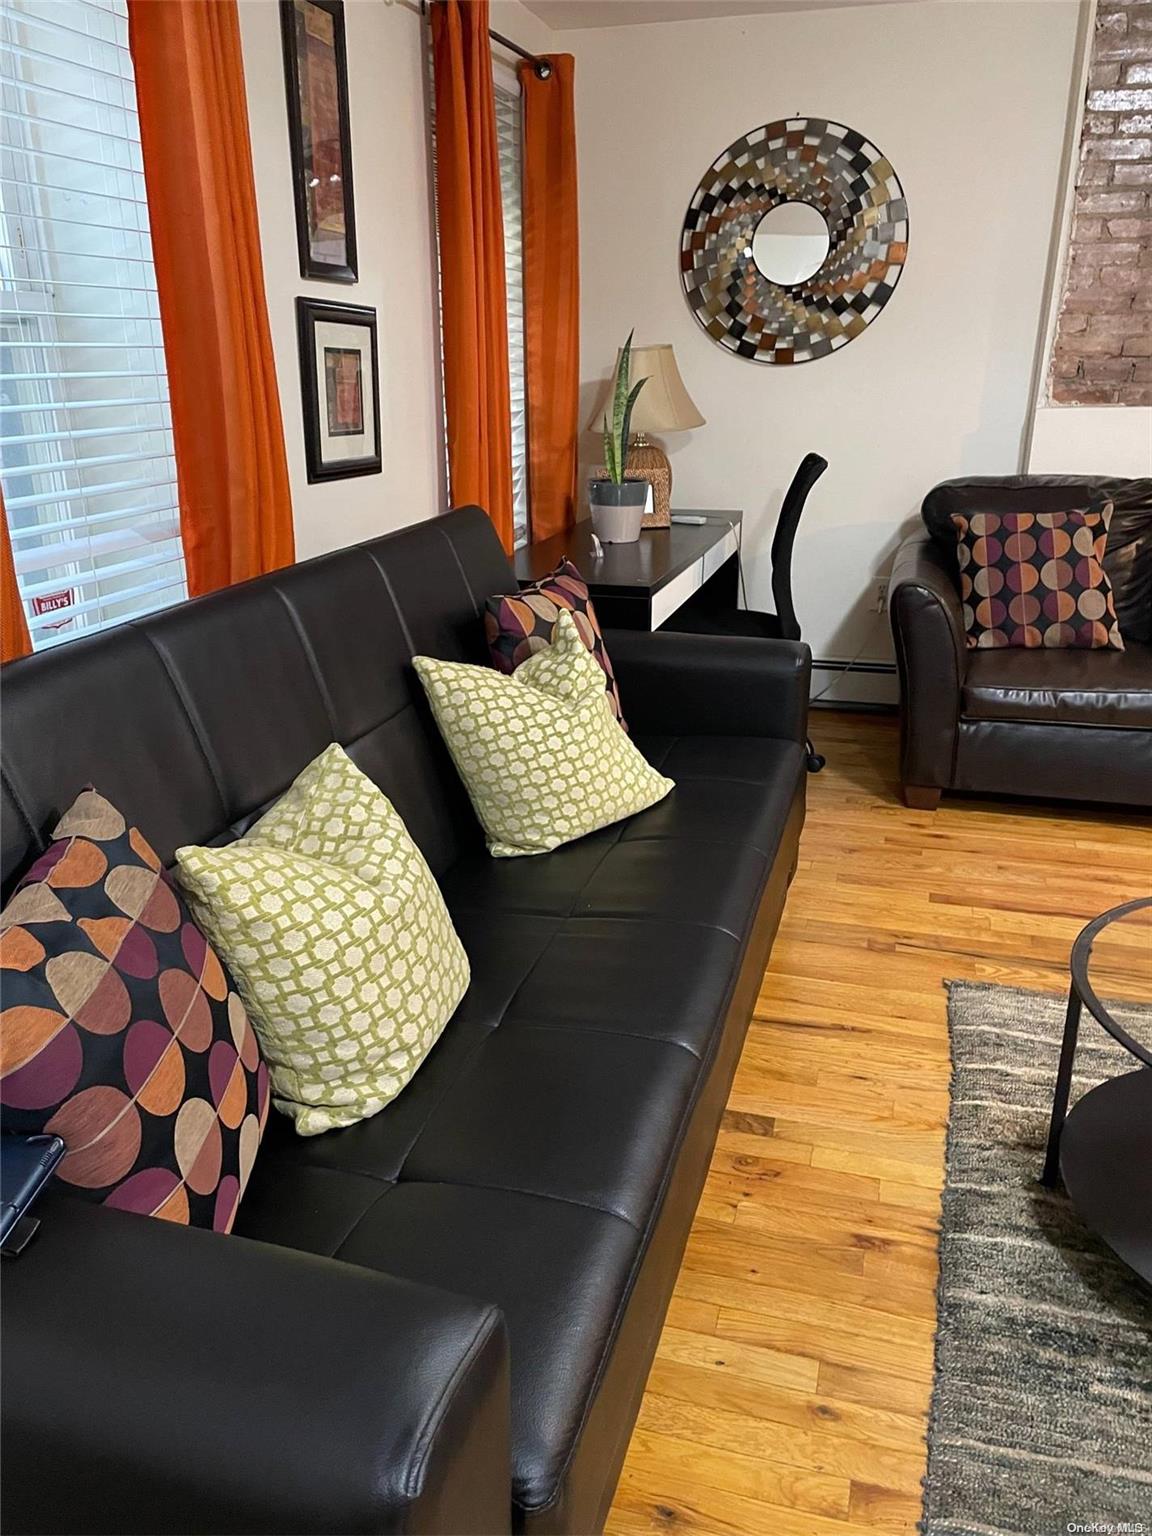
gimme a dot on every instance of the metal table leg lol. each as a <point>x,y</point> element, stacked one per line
<point>1063,1087</point>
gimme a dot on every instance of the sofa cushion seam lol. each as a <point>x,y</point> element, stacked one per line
<point>1048,720</point>
<point>389,1186</point>
<point>601,1029</point>
<point>535,1194</point>
<point>195,723</point>
<point>615,917</point>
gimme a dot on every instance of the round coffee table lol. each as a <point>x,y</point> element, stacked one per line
<point>1102,1147</point>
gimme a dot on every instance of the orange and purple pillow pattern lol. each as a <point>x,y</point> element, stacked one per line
<point>518,627</point>
<point>121,1031</point>
<point>1036,579</point>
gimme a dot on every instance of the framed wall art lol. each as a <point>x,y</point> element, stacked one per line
<point>316,79</point>
<point>340,387</point>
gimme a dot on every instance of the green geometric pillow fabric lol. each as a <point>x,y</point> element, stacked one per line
<point>541,754</point>
<point>339,942</point>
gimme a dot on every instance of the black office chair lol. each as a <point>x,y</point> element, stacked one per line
<point>708,615</point>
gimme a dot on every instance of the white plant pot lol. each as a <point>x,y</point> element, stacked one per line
<point>617,510</point>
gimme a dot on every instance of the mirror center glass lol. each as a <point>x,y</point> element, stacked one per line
<point>790,242</point>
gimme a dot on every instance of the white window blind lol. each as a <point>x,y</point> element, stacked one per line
<point>86,450</point>
<point>508,136</point>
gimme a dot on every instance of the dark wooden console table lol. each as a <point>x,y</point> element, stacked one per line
<point>639,586</point>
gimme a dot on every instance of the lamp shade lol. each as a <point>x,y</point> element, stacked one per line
<point>663,405</point>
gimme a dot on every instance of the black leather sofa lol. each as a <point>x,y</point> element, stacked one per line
<point>1065,724</point>
<point>441,1319</point>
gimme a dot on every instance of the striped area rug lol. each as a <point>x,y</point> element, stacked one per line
<point>1042,1404</point>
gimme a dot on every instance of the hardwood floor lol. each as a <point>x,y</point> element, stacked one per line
<point>790,1390</point>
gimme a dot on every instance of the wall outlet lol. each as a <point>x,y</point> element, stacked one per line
<point>882,596</point>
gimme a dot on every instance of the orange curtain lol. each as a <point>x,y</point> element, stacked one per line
<point>551,293</point>
<point>14,639</point>
<point>235,503</point>
<point>471,228</point>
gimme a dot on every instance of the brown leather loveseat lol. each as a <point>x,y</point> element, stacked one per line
<point>1067,724</point>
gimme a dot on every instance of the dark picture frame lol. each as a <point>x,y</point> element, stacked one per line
<point>339,388</point>
<point>319,136</point>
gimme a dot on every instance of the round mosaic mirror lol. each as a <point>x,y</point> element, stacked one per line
<point>794,241</point>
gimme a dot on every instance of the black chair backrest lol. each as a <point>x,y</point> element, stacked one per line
<point>812,466</point>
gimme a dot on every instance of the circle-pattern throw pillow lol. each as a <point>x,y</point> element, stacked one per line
<point>121,1031</point>
<point>519,626</point>
<point>1036,579</point>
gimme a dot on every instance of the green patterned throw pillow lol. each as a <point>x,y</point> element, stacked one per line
<point>540,752</point>
<point>338,939</point>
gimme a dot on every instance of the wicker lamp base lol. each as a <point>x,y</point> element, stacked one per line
<point>648,461</point>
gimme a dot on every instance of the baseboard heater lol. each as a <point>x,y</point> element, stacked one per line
<point>866,685</point>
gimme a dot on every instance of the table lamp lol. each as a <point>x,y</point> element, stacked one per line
<point>663,405</point>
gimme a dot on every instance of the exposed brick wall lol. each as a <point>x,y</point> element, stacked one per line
<point>1103,349</point>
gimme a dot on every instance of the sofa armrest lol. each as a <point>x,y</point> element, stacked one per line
<point>675,684</point>
<point>158,1378</point>
<point>928,630</point>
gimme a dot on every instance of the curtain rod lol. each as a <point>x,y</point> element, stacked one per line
<point>541,67</point>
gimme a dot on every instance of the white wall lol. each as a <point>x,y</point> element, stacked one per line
<point>520,24</point>
<point>386,82</point>
<point>968,98</point>
<point>1091,440</point>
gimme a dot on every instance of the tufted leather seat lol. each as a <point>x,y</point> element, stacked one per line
<point>534,1182</point>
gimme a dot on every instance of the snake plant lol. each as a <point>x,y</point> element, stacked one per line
<point>616,433</point>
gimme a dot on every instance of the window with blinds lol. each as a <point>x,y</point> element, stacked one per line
<point>86,452</point>
<point>508,137</point>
